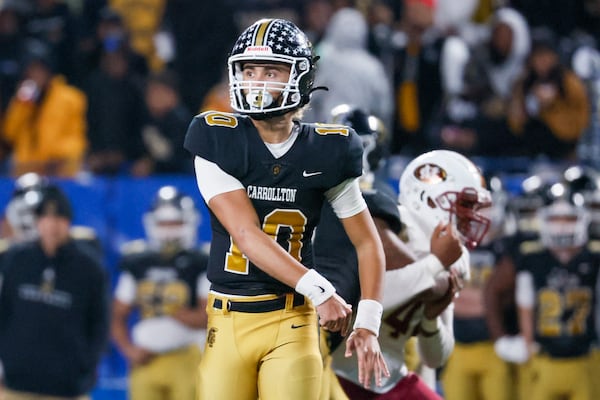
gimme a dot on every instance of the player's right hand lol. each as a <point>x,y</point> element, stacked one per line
<point>445,244</point>
<point>335,314</point>
<point>371,363</point>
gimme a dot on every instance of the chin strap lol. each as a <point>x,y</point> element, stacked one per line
<point>325,88</point>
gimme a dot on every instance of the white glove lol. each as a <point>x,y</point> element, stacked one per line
<point>512,349</point>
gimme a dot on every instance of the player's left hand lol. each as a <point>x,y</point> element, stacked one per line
<point>371,363</point>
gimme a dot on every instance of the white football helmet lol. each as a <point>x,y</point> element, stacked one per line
<point>563,222</point>
<point>442,186</point>
<point>20,209</point>
<point>172,221</point>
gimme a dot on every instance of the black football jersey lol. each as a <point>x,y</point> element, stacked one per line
<point>287,192</point>
<point>165,284</point>
<point>335,256</point>
<point>564,299</point>
<point>483,260</point>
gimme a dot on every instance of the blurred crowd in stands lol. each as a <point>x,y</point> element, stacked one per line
<point>109,86</point>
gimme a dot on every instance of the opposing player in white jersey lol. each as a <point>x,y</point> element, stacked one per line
<point>441,192</point>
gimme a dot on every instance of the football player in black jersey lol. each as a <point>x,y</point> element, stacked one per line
<point>265,176</point>
<point>162,280</point>
<point>499,295</point>
<point>335,257</point>
<point>556,282</point>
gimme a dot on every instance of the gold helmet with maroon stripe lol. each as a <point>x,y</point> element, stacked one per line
<point>271,41</point>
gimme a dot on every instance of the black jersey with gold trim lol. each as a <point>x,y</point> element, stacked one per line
<point>335,256</point>
<point>287,192</point>
<point>164,284</point>
<point>565,297</point>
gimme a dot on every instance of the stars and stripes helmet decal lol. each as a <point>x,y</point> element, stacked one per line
<point>271,41</point>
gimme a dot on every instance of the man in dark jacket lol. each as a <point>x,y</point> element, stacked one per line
<point>53,309</point>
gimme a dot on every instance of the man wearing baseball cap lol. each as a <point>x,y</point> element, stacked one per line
<point>53,309</point>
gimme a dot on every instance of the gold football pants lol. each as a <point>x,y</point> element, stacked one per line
<point>272,355</point>
<point>15,395</point>
<point>595,372</point>
<point>169,376</point>
<point>474,372</point>
<point>330,385</point>
<point>560,378</point>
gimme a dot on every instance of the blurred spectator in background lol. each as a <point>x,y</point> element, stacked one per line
<point>164,130</point>
<point>164,278</point>
<point>217,98</point>
<point>109,34</point>
<point>478,82</point>
<point>88,13</point>
<point>315,17</point>
<point>11,54</point>
<point>549,110</point>
<point>589,17</point>
<point>53,23</point>
<point>54,310</point>
<point>115,114</point>
<point>351,74</point>
<point>45,122</point>
<point>561,17</point>
<point>417,82</point>
<point>143,19</point>
<point>12,44</point>
<point>204,33</point>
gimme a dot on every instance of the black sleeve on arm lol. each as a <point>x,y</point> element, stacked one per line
<point>353,166</point>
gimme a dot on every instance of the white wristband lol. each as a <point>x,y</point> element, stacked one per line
<point>368,315</point>
<point>315,286</point>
